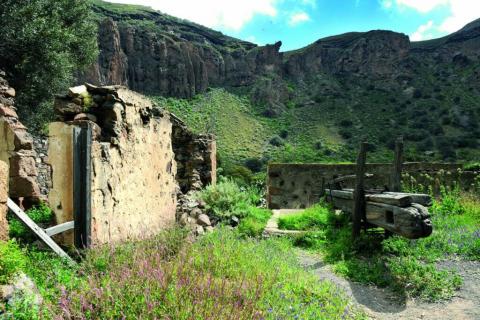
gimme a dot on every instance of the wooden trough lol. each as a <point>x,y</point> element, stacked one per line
<point>393,211</point>
<point>397,212</point>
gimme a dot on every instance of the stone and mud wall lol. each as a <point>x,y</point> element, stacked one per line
<point>136,148</point>
<point>17,150</point>
<point>3,201</point>
<point>293,186</point>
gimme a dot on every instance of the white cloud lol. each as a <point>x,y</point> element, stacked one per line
<point>421,5</point>
<point>421,33</point>
<point>297,18</point>
<point>460,12</point>
<point>229,14</point>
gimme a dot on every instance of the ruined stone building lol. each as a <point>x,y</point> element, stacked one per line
<point>116,164</point>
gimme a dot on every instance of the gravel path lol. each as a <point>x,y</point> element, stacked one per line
<point>381,303</point>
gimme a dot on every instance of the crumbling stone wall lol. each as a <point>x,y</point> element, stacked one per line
<point>3,201</point>
<point>16,149</point>
<point>195,155</point>
<point>135,150</point>
<point>293,186</point>
<point>44,178</point>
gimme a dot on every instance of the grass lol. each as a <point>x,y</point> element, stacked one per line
<point>40,214</point>
<point>407,266</point>
<point>221,276</point>
<point>254,223</point>
<point>310,219</point>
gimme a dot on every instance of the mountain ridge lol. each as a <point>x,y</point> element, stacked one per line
<point>425,91</point>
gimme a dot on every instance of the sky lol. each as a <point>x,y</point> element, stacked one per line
<point>297,23</point>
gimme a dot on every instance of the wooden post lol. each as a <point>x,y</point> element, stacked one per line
<point>359,194</point>
<point>396,184</point>
<point>82,141</point>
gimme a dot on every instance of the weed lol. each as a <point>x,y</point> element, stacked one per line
<point>310,219</point>
<point>40,214</point>
<point>254,223</point>
<point>12,260</point>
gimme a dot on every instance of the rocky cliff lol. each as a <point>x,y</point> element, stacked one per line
<point>426,91</point>
<point>155,53</point>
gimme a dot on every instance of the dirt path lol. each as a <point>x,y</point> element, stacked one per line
<point>384,304</point>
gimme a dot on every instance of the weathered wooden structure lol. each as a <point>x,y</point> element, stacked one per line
<point>400,213</point>
<point>396,212</point>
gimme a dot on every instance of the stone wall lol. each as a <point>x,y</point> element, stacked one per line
<point>195,155</point>
<point>3,201</point>
<point>135,150</point>
<point>134,192</point>
<point>44,178</point>
<point>16,149</point>
<point>291,186</point>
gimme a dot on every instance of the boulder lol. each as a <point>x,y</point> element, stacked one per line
<point>199,230</point>
<point>77,91</point>
<point>7,112</point>
<point>204,220</point>
<point>67,107</point>
<point>85,116</point>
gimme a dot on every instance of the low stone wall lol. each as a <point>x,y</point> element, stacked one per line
<point>293,186</point>
<point>3,201</point>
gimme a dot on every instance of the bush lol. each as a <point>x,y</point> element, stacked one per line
<point>276,141</point>
<point>64,35</point>
<point>40,214</point>
<point>227,199</point>
<point>254,223</point>
<point>240,174</point>
<point>254,164</point>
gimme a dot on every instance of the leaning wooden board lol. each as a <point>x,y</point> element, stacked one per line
<point>37,230</point>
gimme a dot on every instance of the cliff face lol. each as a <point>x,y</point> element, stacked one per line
<point>426,91</point>
<point>155,53</point>
<point>174,58</point>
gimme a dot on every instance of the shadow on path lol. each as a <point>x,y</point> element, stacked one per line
<point>382,303</point>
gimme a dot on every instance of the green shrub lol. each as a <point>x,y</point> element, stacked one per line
<point>310,219</point>
<point>40,214</point>
<point>449,203</point>
<point>12,260</point>
<point>254,223</point>
<point>227,199</point>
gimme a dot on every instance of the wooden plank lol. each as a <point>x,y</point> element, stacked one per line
<point>400,200</point>
<point>37,230</point>
<point>359,193</point>
<point>342,194</point>
<point>396,199</point>
<point>59,228</point>
<point>420,198</point>
<point>396,184</point>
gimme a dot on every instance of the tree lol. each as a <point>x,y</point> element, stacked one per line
<point>43,45</point>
